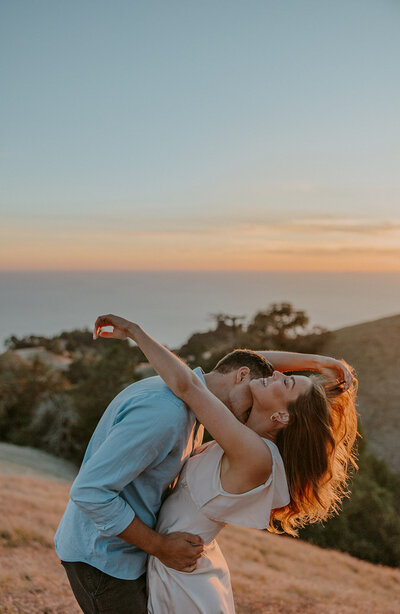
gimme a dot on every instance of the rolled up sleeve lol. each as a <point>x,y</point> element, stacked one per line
<point>140,437</point>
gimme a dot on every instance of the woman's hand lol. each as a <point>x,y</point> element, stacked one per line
<point>120,327</point>
<point>336,372</point>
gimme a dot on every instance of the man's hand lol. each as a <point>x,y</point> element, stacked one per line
<point>180,551</point>
<point>177,550</point>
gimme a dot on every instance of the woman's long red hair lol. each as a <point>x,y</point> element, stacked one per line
<point>318,451</point>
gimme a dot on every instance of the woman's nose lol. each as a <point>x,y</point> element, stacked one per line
<point>277,374</point>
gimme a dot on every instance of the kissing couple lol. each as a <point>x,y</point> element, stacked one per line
<point>282,447</point>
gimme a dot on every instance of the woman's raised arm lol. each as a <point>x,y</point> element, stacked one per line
<point>333,370</point>
<point>237,441</point>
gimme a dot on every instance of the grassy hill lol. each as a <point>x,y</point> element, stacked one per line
<point>270,574</point>
<point>29,461</point>
<point>373,350</point>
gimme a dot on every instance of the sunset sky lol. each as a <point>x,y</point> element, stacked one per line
<point>218,134</point>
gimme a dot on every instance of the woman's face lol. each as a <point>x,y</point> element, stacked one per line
<point>274,393</point>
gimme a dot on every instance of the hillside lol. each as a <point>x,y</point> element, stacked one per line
<point>29,461</point>
<point>270,574</point>
<point>373,350</point>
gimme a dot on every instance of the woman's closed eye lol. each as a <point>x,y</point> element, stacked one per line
<point>289,382</point>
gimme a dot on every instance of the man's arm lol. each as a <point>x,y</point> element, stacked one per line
<point>177,550</point>
<point>132,445</point>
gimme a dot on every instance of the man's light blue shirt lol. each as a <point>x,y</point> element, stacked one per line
<point>137,449</point>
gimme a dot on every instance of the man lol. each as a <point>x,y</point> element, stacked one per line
<point>137,449</point>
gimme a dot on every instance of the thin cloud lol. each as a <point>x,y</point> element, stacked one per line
<point>132,226</point>
<point>353,226</point>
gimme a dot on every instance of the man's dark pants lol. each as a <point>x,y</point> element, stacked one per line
<point>98,593</point>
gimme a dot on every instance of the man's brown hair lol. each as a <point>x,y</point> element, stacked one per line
<point>258,365</point>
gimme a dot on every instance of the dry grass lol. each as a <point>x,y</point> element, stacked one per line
<point>32,580</point>
<point>271,574</point>
<point>274,574</point>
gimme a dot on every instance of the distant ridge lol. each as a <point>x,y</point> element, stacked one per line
<point>373,349</point>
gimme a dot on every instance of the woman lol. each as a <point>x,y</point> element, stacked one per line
<point>286,466</point>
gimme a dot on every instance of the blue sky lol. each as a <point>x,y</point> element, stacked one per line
<point>211,134</point>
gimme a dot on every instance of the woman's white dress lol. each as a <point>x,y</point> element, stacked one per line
<point>200,505</point>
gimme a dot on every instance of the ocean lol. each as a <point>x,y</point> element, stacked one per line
<point>173,305</point>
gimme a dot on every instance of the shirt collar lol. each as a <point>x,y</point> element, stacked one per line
<point>199,371</point>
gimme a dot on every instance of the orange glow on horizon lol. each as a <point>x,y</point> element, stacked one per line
<point>296,261</point>
<point>243,248</point>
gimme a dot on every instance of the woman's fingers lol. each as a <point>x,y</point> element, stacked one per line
<point>106,334</point>
<point>338,376</point>
<point>106,320</point>
<point>100,321</point>
<point>119,327</point>
<point>346,377</point>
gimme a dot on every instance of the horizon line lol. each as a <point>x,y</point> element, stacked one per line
<point>199,270</point>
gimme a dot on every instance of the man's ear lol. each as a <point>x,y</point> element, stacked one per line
<point>241,374</point>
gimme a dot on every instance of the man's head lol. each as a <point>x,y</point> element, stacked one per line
<point>230,380</point>
<point>257,364</point>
